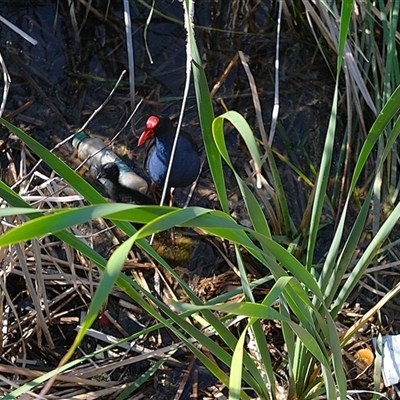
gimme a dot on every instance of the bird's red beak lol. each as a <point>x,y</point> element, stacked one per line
<point>148,132</point>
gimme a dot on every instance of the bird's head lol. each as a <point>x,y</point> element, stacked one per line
<point>109,171</point>
<point>148,133</point>
<point>155,127</point>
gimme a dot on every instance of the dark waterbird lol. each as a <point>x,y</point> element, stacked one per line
<point>186,165</point>
<point>120,193</point>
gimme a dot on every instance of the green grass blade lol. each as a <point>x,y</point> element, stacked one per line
<point>235,379</point>
<point>366,258</point>
<point>206,116</point>
<point>255,212</point>
<point>388,112</point>
<point>326,160</point>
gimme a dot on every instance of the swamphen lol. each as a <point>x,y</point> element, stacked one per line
<point>186,165</point>
<point>118,192</point>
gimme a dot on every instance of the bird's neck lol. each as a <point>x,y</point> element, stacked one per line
<point>164,146</point>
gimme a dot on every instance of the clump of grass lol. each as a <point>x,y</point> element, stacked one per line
<point>305,300</point>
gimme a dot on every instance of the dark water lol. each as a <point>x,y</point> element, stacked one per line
<point>69,72</point>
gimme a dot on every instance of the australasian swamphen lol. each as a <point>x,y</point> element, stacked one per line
<point>186,165</point>
<point>118,192</point>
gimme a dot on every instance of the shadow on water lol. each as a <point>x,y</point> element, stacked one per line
<point>57,84</point>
